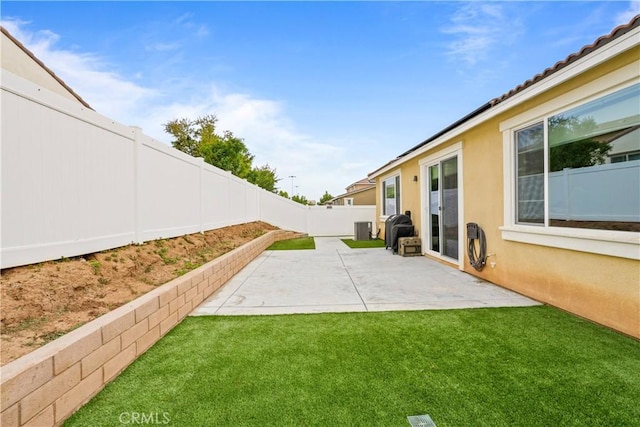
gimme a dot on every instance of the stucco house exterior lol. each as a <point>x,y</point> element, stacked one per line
<point>550,172</point>
<point>362,192</point>
<point>19,60</point>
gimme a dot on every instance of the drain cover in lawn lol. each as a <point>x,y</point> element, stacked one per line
<point>421,421</point>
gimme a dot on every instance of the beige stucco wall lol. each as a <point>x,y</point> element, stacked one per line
<point>410,190</point>
<point>605,289</point>
<point>366,197</point>
<point>16,61</point>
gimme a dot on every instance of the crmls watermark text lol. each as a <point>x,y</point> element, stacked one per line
<point>144,418</point>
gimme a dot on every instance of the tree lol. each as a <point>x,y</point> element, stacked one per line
<point>283,193</point>
<point>568,150</point>
<point>300,199</point>
<point>325,197</point>
<point>198,138</point>
<point>263,177</point>
<point>228,153</point>
<point>185,136</point>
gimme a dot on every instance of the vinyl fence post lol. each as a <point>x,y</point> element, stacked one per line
<point>137,185</point>
<point>201,184</point>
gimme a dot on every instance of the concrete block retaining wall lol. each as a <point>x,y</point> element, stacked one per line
<point>46,386</point>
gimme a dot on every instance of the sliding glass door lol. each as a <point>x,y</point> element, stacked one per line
<point>443,207</point>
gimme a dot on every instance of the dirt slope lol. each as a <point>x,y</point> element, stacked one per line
<point>41,302</point>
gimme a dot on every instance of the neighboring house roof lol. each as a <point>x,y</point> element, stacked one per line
<point>351,193</point>
<point>364,184</point>
<point>586,50</point>
<point>363,181</point>
<point>44,67</point>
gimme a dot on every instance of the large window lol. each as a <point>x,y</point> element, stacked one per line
<point>391,196</point>
<point>530,173</point>
<point>592,166</point>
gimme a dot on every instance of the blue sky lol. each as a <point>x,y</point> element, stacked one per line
<point>325,91</point>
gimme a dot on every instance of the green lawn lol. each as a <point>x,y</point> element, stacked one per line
<point>534,366</point>
<point>359,244</point>
<point>293,244</point>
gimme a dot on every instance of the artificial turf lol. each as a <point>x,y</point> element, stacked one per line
<point>363,244</point>
<point>293,244</point>
<point>533,366</point>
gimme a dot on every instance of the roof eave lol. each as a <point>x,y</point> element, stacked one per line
<point>621,38</point>
<point>44,67</point>
<point>351,193</point>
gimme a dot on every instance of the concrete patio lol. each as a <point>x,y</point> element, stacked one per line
<point>336,278</point>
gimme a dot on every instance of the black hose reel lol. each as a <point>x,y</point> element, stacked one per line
<point>477,255</point>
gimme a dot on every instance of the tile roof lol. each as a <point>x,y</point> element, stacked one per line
<point>350,193</point>
<point>586,50</point>
<point>362,182</point>
<point>44,67</point>
<point>601,41</point>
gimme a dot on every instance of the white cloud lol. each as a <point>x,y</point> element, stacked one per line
<point>477,28</point>
<point>186,20</point>
<point>319,164</point>
<point>162,47</point>
<point>597,22</point>
<point>107,92</point>
<point>627,15</point>
<point>272,137</point>
<point>185,17</point>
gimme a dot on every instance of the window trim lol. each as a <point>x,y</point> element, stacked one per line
<point>455,149</point>
<point>624,244</point>
<point>395,174</point>
<point>545,159</point>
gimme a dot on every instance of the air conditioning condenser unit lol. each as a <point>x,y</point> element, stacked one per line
<point>362,230</point>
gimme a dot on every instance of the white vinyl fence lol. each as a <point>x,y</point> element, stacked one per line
<point>76,182</point>
<point>606,192</point>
